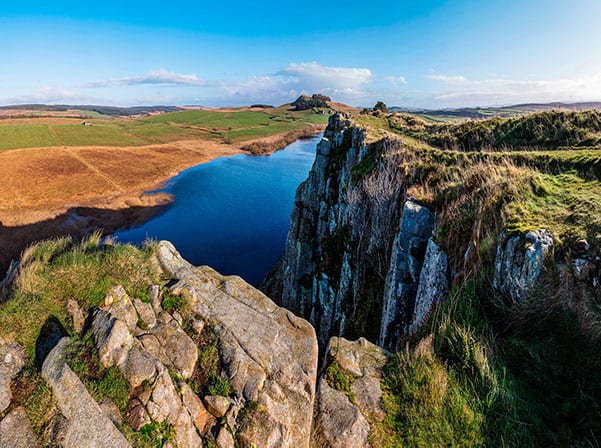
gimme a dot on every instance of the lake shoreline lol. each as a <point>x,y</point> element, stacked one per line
<point>232,214</point>
<point>111,211</point>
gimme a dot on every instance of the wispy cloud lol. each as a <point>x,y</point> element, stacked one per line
<point>460,91</point>
<point>48,95</point>
<point>288,82</point>
<point>396,80</point>
<point>446,78</point>
<point>154,77</point>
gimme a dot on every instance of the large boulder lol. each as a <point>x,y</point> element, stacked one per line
<point>270,355</point>
<point>12,359</point>
<point>520,262</point>
<point>16,431</point>
<point>87,425</point>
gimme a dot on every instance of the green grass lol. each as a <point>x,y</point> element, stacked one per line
<point>171,302</point>
<point>58,270</point>
<point>151,435</point>
<point>207,377</point>
<point>214,119</point>
<point>82,357</point>
<point>30,391</point>
<point>233,127</point>
<point>26,136</point>
<point>99,134</point>
<point>491,375</point>
<point>425,406</point>
<point>340,379</point>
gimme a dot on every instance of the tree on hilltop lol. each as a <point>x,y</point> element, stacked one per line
<point>381,107</point>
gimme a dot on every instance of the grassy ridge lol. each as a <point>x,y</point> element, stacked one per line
<point>545,130</point>
<point>233,127</point>
<point>484,371</point>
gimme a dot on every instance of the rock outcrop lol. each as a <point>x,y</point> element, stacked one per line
<point>433,285</point>
<point>269,354</point>
<point>16,431</point>
<point>258,390</point>
<point>12,359</point>
<point>86,426</point>
<point>520,261</point>
<point>353,258</point>
<point>343,417</point>
<point>403,276</point>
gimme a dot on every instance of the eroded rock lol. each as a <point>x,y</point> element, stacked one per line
<point>338,422</point>
<point>365,362</point>
<point>519,263</point>
<point>217,405</point>
<point>433,285</point>
<point>87,425</point>
<point>13,358</point>
<point>270,355</point>
<point>403,275</point>
<point>16,431</point>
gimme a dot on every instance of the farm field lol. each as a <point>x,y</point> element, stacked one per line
<point>62,177</point>
<point>230,127</point>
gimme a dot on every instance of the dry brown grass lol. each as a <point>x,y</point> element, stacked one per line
<point>276,142</point>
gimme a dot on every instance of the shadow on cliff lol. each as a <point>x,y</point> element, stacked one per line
<point>76,222</point>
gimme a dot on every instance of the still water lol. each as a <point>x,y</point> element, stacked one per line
<point>232,213</point>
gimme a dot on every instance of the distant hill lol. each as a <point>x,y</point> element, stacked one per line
<point>488,112</point>
<point>112,111</point>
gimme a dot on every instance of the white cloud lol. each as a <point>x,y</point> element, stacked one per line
<point>445,78</point>
<point>396,80</point>
<point>314,77</point>
<point>154,77</point>
<point>344,83</point>
<point>47,95</point>
<point>461,91</point>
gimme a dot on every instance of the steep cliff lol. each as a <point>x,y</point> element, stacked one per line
<point>478,270</point>
<point>356,244</point>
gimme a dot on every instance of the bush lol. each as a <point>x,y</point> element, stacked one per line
<point>381,107</point>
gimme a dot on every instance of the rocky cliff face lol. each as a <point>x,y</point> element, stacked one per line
<point>354,254</point>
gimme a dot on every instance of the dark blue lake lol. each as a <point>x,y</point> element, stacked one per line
<point>232,213</point>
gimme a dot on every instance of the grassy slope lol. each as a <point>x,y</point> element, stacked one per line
<point>190,124</point>
<point>490,373</point>
<point>52,272</point>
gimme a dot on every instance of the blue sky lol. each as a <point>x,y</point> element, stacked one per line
<point>429,53</point>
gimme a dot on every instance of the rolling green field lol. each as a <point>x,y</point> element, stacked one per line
<point>232,127</point>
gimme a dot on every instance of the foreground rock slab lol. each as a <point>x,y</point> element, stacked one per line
<point>270,354</point>
<point>16,431</point>
<point>87,424</point>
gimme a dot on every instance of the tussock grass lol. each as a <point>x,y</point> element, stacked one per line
<point>54,271</point>
<point>490,373</point>
<point>546,130</point>
<point>427,406</point>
